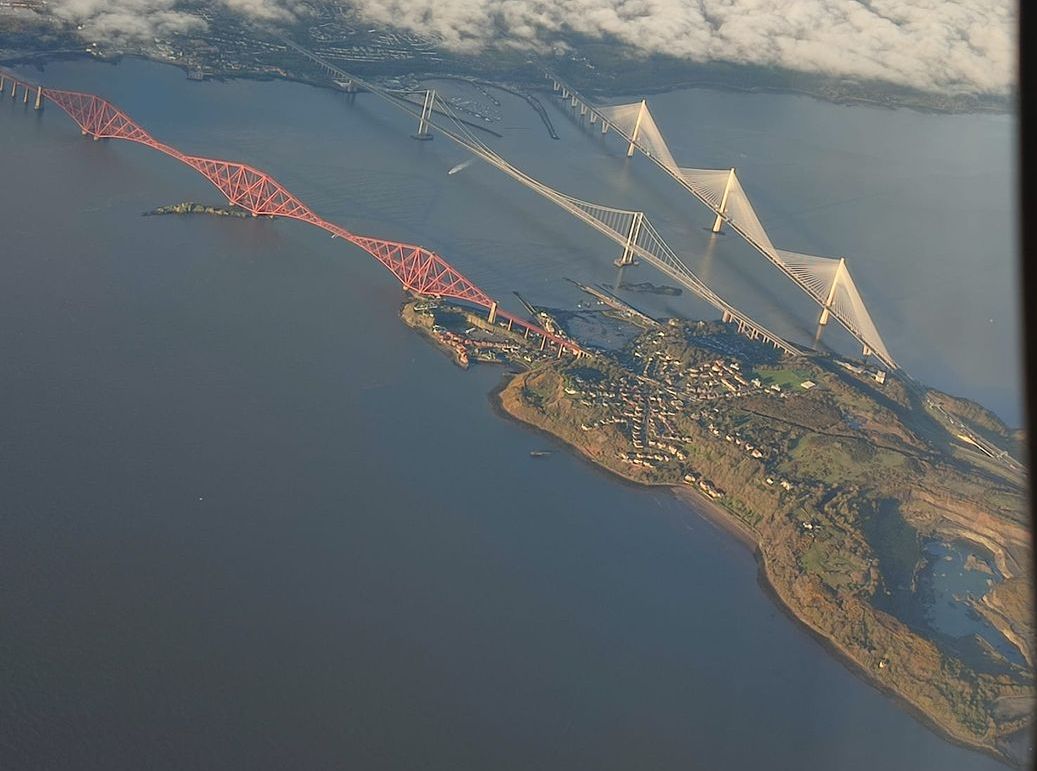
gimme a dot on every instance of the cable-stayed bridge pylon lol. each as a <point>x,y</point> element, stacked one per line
<point>825,280</point>
<point>630,229</point>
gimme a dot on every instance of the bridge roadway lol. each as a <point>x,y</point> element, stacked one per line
<point>577,99</point>
<point>654,250</point>
<point>668,262</point>
<point>419,270</point>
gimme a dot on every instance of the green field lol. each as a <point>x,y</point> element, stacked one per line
<point>784,378</point>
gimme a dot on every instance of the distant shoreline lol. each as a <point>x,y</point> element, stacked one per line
<point>846,100</point>
<point>43,58</point>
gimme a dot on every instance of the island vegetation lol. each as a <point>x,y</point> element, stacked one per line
<point>190,207</point>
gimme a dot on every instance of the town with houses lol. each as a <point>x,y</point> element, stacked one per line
<point>671,391</point>
<point>660,393</point>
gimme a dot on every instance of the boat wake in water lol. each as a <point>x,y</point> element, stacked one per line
<point>461,166</point>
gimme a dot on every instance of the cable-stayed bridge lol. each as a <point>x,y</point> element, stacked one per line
<point>630,229</point>
<point>825,280</point>
<point>424,272</point>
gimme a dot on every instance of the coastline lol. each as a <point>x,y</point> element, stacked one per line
<point>498,408</point>
<point>717,515</point>
<point>41,59</point>
<point>733,524</point>
<point>847,100</point>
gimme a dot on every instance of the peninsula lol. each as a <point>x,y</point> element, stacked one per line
<point>851,484</point>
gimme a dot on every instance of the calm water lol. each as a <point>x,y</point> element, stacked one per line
<point>251,521</point>
<point>948,581</point>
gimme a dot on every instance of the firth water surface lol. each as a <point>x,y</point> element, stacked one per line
<point>252,521</point>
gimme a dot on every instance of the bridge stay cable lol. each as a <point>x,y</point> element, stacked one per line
<point>721,191</point>
<point>613,223</point>
<point>643,240</point>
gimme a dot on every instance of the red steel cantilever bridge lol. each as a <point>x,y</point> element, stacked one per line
<point>420,270</point>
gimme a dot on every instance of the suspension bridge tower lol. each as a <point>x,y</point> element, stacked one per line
<point>627,258</point>
<point>426,115</point>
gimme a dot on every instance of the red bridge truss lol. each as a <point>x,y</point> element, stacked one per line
<point>420,270</point>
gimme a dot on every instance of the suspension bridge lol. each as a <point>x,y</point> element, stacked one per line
<point>418,269</point>
<point>630,229</point>
<point>424,272</point>
<point>825,280</point>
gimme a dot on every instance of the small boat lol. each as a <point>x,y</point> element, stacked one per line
<point>539,453</point>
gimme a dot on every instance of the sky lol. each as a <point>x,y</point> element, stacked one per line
<point>943,46</point>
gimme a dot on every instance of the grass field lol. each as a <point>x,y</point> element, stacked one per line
<point>784,378</point>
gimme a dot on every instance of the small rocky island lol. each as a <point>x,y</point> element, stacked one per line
<point>856,488</point>
<point>190,207</point>
<point>650,288</point>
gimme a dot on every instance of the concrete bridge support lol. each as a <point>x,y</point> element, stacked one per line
<point>39,98</point>
<point>493,313</point>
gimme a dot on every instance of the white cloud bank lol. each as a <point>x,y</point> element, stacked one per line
<point>105,20</point>
<point>934,45</point>
<point>129,20</point>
